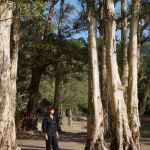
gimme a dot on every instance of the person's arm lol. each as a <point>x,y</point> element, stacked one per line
<point>44,128</point>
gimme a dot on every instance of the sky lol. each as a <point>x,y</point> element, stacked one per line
<point>85,34</point>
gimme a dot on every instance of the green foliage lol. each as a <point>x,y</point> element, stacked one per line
<point>75,94</point>
<point>38,49</point>
<point>144,71</point>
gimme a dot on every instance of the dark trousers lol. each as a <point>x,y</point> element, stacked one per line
<point>52,140</point>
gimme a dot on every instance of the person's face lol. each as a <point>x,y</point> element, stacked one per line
<point>51,111</point>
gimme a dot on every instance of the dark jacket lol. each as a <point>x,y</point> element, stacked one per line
<point>49,125</point>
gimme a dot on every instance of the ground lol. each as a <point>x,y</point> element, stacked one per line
<point>72,138</point>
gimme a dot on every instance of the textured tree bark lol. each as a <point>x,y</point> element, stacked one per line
<point>104,91</point>
<point>133,71</point>
<point>124,51</point>
<point>122,137</point>
<point>146,93</point>
<point>7,81</point>
<point>95,128</point>
<point>139,42</point>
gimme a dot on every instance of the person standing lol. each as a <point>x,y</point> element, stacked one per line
<point>50,130</point>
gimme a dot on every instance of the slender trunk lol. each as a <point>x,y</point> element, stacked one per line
<point>70,117</point>
<point>122,137</point>
<point>104,91</point>
<point>57,95</point>
<point>146,93</point>
<point>57,69</point>
<point>7,82</point>
<point>124,52</point>
<point>60,17</point>
<point>95,139</point>
<point>132,81</point>
<point>49,21</point>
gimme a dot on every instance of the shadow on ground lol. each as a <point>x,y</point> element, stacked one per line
<point>64,136</point>
<point>73,137</point>
<point>36,141</point>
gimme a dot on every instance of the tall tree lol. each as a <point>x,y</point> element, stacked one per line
<point>123,136</point>
<point>41,63</point>
<point>8,71</point>
<point>95,139</point>
<point>57,67</point>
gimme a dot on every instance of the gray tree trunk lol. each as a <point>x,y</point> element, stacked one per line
<point>122,137</point>
<point>8,72</point>
<point>95,128</point>
<point>133,113</point>
<point>104,91</point>
<point>124,51</point>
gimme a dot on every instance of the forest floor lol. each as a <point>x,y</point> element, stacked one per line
<point>73,138</point>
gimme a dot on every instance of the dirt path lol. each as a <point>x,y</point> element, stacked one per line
<point>73,138</point>
<point>67,141</point>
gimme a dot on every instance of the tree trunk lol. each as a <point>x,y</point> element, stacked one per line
<point>57,94</point>
<point>104,91</point>
<point>57,70</point>
<point>146,93</point>
<point>70,117</point>
<point>124,52</point>
<point>49,21</point>
<point>32,105</point>
<point>95,128</point>
<point>139,43</point>
<point>133,71</point>
<point>7,82</point>
<point>122,138</point>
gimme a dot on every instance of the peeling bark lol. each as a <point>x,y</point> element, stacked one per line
<point>124,51</point>
<point>122,137</point>
<point>133,71</point>
<point>104,91</point>
<point>95,128</point>
<point>8,71</point>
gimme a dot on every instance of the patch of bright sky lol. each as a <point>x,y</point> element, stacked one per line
<point>72,16</point>
<point>117,10</point>
<point>83,34</point>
